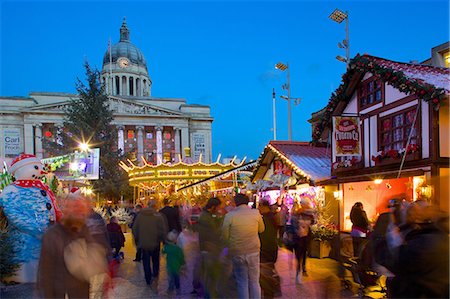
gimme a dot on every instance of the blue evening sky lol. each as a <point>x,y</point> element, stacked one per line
<point>220,54</point>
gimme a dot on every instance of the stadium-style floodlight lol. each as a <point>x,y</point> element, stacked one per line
<point>285,67</point>
<point>338,16</point>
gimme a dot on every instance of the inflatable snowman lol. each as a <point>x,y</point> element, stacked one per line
<point>30,207</point>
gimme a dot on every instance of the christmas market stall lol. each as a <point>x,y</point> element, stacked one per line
<point>287,172</point>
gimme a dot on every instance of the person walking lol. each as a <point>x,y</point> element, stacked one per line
<point>209,228</point>
<point>149,230</point>
<point>174,261</point>
<point>270,285</point>
<point>172,215</point>
<point>240,232</point>
<point>302,219</point>
<point>116,237</point>
<point>360,227</point>
<point>134,214</point>
<point>70,255</point>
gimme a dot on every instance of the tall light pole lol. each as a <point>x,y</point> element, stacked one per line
<point>285,67</point>
<point>338,16</point>
<point>274,115</point>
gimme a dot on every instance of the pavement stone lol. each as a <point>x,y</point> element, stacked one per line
<point>322,280</point>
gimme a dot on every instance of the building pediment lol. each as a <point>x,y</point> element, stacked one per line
<point>129,107</point>
<point>118,105</point>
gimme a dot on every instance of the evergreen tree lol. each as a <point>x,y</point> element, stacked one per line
<point>88,119</point>
<point>7,250</point>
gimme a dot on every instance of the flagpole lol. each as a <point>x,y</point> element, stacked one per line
<point>110,68</point>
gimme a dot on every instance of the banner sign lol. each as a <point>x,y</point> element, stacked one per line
<point>199,145</point>
<point>76,166</point>
<point>347,136</point>
<point>12,144</point>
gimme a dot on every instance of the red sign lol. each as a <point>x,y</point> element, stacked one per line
<point>347,136</point>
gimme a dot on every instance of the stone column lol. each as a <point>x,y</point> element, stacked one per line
<point>178,149</point>
<point>113,85</point>
<point>120,138</point>
<point>59,133</point>
<point>28,138</point>
<point>159,149</point>
<point>140,144</point>
<point>38,141</point>
<point>127,85</point>
<point>185,142</point>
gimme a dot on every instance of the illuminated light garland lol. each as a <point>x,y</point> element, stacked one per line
<point>297,169</point>
<point>362,64</point>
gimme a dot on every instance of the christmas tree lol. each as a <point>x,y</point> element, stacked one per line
<point>88,120</point>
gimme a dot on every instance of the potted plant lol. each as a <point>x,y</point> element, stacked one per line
<point>322,232</point>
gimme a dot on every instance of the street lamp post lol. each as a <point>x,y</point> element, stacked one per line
<point>285,67</point>
<point>274,115</point>
<point>338,16</point>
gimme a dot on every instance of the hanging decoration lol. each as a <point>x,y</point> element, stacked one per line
<point>394,154</point>
<point>379,68</point>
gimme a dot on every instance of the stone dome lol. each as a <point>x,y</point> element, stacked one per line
<point>124,48</point>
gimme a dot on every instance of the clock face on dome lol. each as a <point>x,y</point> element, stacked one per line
<point>123,62</point>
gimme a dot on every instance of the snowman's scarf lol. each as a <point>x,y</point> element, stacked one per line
<point>39,184</point>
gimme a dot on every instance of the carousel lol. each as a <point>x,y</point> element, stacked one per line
<point>160,180</point>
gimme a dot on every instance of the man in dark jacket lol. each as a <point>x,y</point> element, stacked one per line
<point>149,230</point>
<point>134,214</point>
<point>209,233</point>
<point>270,285</point>
<point>172,215</point>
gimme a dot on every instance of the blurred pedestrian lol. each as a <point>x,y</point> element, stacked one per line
<point>174,261</point>
<point>418,246</point>
<point>149,230</point>
<point>134,214</point>
<point>301,220</point>
<point>360,227</point>
<point>209,228</point>
<point>172,215</point>
<point>240,232</point>
<point>116,237</point>
<point>269,279</point>
<point>189,243</point>
<point>70,256</point>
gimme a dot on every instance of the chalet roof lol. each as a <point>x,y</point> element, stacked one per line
<point>429,83</point>
<point>437,76</point>
<point>304,159</point>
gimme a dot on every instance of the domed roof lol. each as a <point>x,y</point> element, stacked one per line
<point>124,48</point>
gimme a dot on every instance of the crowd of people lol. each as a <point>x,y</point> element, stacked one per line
<point>230,251</point>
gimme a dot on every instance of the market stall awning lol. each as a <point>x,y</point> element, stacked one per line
<point>309,162</point>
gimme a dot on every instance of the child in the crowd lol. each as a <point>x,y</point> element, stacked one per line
<point>116,236</point>
<point>174,261</point>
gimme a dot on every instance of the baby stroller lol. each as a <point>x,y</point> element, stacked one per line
<point>370,283</point>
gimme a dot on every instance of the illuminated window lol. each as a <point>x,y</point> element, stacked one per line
<point>370,92</point>
<point>130,134</point>
<point>395,130</point>
<point>447,59</point>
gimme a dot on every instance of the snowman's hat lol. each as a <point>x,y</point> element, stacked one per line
<point>23,160</point>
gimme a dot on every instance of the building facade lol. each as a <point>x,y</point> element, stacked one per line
<point>156,129</point>
<point>388,125</point>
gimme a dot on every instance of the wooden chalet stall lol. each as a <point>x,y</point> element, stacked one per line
<point>389,127</point>
<point>292,168</point>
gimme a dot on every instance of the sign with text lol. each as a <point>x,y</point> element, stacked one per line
<point>199,145</point>
<point>347,136</point>
<point>12,144</point>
